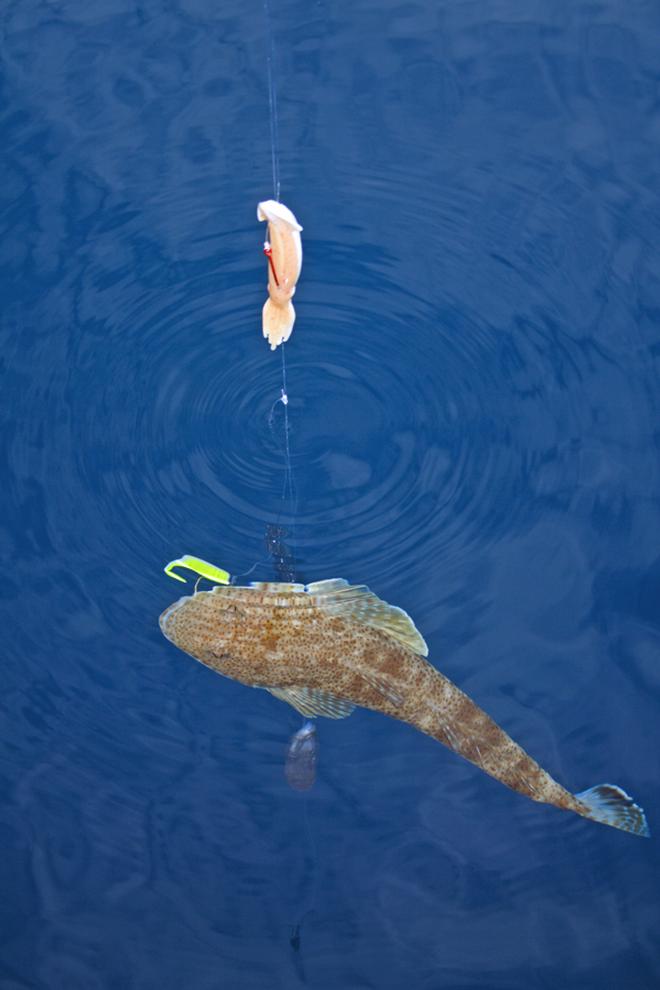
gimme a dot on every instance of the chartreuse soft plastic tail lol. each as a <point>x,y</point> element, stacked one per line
<point>197,566</point>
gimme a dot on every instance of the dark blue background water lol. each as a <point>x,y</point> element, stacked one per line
<point>473,383</point>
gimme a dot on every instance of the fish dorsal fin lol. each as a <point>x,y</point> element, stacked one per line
<point>328,586</point>
<point>310,702</point>
<point>358,604</point>
<point>276,586</point>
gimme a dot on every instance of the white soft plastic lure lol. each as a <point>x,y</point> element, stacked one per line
<point>283,248</point>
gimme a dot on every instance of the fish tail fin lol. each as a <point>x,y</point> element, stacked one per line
<point>277,322</point>
<point>610,805</point>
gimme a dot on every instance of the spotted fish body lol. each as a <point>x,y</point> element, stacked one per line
<point>328,647</point>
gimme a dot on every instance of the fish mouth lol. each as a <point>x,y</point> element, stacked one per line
<point>165,620</point>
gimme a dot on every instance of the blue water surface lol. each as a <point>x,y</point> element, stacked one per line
<point>474,432</point>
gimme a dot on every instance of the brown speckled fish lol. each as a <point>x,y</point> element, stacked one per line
<point>329,646</point>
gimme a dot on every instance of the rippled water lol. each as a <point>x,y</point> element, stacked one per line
<point>473,409</point>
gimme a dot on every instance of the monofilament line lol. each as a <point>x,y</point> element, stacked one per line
<point>288,478</point>
<point>288,489</point>
<point>272,103</point>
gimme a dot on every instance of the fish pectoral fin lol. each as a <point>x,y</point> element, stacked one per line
<point>389,690</point>
<point>311,702</point>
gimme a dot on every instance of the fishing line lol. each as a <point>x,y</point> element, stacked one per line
<point>279,553</point>
<point>272,103</point>
<point>289,488</point>
<point>309,904</point>
<point>283,558</point>
<point>284,562</point>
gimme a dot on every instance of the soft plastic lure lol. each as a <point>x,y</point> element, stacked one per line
<point>283,248</point>
<point>197,566</point>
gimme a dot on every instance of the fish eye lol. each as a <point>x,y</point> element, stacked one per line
<point>236,612</point>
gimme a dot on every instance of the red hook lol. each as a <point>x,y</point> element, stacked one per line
<point>268,251</point>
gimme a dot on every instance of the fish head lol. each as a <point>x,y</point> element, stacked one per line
<point>202,625</point>
<point>168,619</point>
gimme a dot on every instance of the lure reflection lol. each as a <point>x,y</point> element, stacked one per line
<point>301,758</point>
<point>283,248</point>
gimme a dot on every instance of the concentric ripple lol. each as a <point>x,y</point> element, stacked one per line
<point>390,470</point>
<point>473,427</point>
<point>407,453</point>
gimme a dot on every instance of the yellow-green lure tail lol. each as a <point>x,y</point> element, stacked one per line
<point>197,566</point>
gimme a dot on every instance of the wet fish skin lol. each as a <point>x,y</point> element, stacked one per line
<point>271,640</point>
<point>279,637</point>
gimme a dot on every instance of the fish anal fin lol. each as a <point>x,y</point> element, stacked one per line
<point>311,702</point>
